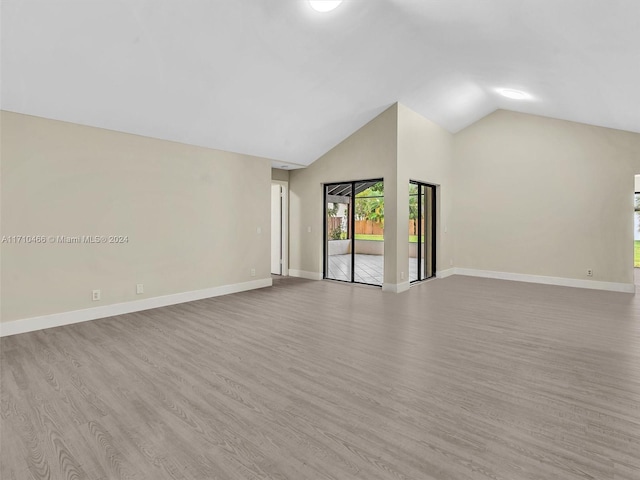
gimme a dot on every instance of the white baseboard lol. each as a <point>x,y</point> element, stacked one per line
<point>446,273</point>
<point>76,316</point>
<point>565,282</point>
<point>395,287</point>
<point>303,274</point>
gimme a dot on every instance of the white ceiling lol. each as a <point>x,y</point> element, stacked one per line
<point>276,79</point>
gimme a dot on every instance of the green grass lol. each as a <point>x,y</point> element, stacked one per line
<point>380,238</point>
<point>375,238</point>
<point>636,256</point>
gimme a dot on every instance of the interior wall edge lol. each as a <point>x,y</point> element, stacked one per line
<point>25,325</point>
<point>559,281</point>
<point>445,273</point>
<point>396,287</point>
<point>304,274</point>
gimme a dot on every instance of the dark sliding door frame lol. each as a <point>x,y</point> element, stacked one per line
<point>432,189</point>
<point>351,225</point>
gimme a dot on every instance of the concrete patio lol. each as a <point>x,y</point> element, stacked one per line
<point>369,268</point>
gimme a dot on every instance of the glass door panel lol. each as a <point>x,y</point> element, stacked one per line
<point>338,258</point>
<point>429,232</point>
<point>422,229</point>
<point>369,232</point>
<point>636,232</point>
<point>413,232</point>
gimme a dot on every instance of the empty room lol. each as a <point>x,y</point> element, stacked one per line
<point>320,239</point>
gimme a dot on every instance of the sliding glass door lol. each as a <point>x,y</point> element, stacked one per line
<point>354,231</point>
<point>422,231</point>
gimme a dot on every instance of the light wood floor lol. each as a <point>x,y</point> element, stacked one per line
<point>461,378</point>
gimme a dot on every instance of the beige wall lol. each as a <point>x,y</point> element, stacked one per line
<point>280,174</point>
<point>546,197</point>
<point>532,195</point>
<point>425,154</point>
<point>191,215</point>
<point>399,145</point>
<point>368,153</point>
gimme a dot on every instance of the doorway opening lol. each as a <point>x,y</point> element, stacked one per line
<point>279,228</point>
<point>422,231</point>
<point>354,231</point>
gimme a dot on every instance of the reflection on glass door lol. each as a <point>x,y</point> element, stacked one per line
<point>354,231</point>
<point>422,231</point>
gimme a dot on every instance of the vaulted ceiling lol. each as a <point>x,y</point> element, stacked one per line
<point>275,78</point>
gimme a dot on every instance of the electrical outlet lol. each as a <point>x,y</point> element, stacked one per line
<point>95,295</point>
<point>401,275</point>
<point>253,272</point>
<point>451,262</point>
<point>259,230</point>
<point>139,288</point>
<point>308,229</point>
<point>589,272</point>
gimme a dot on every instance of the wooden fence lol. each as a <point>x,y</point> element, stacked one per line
<point>413,229</point>
<point>367,227</point>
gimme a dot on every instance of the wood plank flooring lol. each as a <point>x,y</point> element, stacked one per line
<point>457,379</point>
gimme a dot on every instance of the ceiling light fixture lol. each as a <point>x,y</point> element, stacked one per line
<point>324,5</point>
<point>513,94</point>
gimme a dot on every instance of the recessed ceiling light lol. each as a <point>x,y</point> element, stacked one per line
<point>513,94</point>
<point>324,5</point>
